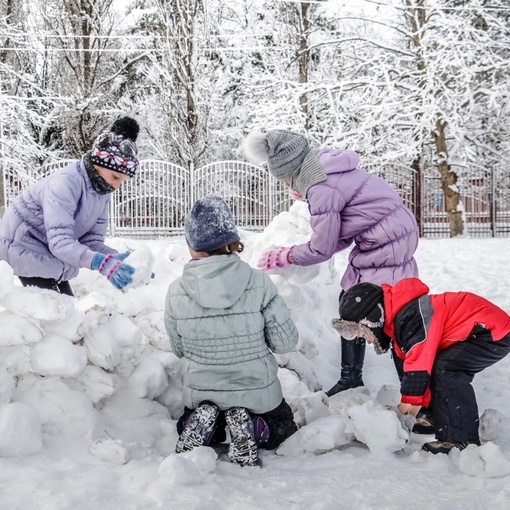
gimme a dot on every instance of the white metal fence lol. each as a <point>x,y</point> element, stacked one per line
<point>155,203</point>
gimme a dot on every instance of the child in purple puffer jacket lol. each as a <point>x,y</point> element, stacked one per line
<point>58,225</point>
<point>348,207</point>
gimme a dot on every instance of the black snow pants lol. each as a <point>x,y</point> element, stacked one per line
<point>454,407</point>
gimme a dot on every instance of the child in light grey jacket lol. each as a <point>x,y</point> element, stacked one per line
<point>225,319</point>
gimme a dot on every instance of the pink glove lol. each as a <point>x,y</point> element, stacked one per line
<point>295,195</point>
<point>275,258</point>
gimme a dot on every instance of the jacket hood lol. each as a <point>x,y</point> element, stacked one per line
<point>397,296</point>
<point>217,281</point>
<point>334,161</point>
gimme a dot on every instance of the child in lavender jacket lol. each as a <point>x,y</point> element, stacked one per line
<point>348,207</point>
<point>58,225</point>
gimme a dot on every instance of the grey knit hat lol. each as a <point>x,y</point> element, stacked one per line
<point>210,225</point>
<point>288,156</point>
<point>283,150</point>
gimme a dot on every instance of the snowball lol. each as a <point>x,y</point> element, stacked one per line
<point>110,450</point>
<point>142,259</point>
<point>377,427</point>
<point>203,457</point>
<point>493,425</point>
<point>309,408</point>
<point>388,395</point>
<point>153,327</point>
<point>94,382</point>
<point>485,461</point>
<point>16,360</point>
<point>56,355</point>
<point>68,327</point>
<point>177,470</point>
<point>60,409</point>
<point>7,385</point>
<point>20,430</point>
<point>35,303</point>
<point>114,345</point>
<point>320,436</point>
<point>6,279</point>
<point>149,378</point>
<point>18,330</point>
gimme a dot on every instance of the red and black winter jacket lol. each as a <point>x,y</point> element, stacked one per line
<point>421,325</point>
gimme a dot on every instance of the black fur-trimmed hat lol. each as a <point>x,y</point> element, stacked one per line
<point>361,311</point>
<point>116,149</point>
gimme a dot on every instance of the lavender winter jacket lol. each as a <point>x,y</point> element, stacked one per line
<point>353,206</point>
<point>55,226</point>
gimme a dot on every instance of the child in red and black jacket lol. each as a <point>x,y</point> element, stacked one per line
<point>439,342</point>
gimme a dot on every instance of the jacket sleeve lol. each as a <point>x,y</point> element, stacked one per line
<point>280,331</point>
<point>171,325</point>
<point>326,204</point>
<point>59,204</point>
<point>94,238</point>
<point>419,340</point>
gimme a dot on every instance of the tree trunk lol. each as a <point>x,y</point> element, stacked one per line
<point>448,182</point>
<point>304,57</point>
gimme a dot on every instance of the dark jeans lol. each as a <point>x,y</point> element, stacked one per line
<point>280,422</point>
<point>454,407</point>
<point>47,283</point>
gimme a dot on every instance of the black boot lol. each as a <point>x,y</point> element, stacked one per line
<point>353,356</point>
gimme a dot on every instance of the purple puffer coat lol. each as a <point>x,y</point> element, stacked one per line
<point>55,226</point>
<point>353,206</point>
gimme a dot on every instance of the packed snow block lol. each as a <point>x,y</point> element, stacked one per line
<point>114,345</point>
<point>6,279</point>
<point>493,425</point>
<point>56,355</point>
<point>343,401</point>
<point>35,303</point>
<point>153,328</point>
<point>7,385</point>
<point>68,327</point>
<point>15,360</point>
<point>20,430</point>
<point>142,259</point>
<point>61,410</point>
<point>95,382</point>
<point>309,408</point>
<point>320,436</point>
<point>377,427</point>
<point>296,362</point>
<point>95,303</point>
<point>176,470</point>
<point>18,330</point>
<point>486,461</point>
<point>388,395</point>
<point>149,379</point>
<point>111,450</point>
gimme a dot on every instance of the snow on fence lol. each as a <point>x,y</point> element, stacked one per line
<point>155,203</point>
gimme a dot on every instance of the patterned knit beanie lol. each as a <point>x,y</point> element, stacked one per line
<point>210,225</point>
<point>361,312</point>
<point>116,149</point>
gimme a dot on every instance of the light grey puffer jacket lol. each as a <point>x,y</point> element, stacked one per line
<point>224,318</point>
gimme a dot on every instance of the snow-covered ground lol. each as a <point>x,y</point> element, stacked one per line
<point>89,395</point>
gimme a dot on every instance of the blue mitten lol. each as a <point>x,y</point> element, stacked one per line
<point>111,266</point>
<point>121,256</point>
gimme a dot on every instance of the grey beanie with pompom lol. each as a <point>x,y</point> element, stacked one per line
<point>283,150</point>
